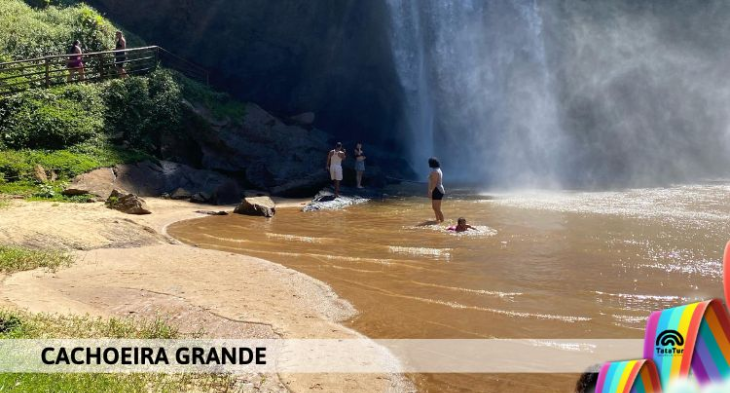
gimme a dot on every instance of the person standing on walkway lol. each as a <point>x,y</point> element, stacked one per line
<point>359,164</point>
<point>120,57</point>
<point>75,63</point>
<point>334,166</point>
<point>436,191</point>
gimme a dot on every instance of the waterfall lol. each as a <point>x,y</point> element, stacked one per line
<point>562,93</point>
<point>409,51</point>
<point>476,96</point>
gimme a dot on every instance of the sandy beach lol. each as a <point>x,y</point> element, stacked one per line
<point>127,266</point>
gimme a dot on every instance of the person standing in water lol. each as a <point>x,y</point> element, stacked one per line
<point>120,58</point>
<point>334,165</point>
<point>359,164</point>
<point>436,189</point>
<point>75,63</point>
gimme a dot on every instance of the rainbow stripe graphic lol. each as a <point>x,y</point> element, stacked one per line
<point>690,340</point>
<point>633,376</point>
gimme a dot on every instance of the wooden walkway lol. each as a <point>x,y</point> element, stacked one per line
<point>48,71</point>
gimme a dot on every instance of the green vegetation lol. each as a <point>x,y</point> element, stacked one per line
<point>27,32</point>
<point>136,109</point>
<point>16,324</point>
<point>220,105</point>
<point>17,168</point>
<point>21,325</point>
<point>51,119</point>
<point>72,129</point>
<point>13,259</point>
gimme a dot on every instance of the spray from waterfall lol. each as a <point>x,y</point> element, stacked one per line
<point>532,93</point>
<point>411,64</point>
<point>481,98</point>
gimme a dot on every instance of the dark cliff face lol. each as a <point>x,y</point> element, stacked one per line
<point>331,57</point>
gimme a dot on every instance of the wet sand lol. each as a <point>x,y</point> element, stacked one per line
<point>129,267</point>
<point>544,265</point>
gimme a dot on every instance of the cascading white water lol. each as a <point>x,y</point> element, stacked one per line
<point>478,94</point>
<point>409,50</point>
<point>546,93</point>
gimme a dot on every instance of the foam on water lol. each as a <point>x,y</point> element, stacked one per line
<point>689,205</point>
<point>439,253</point>
<point>510,313</point>
<point>481,230</point>
<point>641,298</point>
<point>302,239</point>
<point>225,239</point>
<point>708,268</point>
<point>629,319</point>
<point>505,295</point>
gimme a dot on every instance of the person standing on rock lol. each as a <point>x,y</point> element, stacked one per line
<point>334,165</point>
<point>359,164</point>
<point>436,189</point>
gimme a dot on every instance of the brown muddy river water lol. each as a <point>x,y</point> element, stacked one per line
<point>543,265</point>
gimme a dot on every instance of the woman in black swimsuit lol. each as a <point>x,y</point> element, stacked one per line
<point>436,190</point>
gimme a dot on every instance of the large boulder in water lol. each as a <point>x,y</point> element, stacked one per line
<point>127,203</point>
<point>256,203</point>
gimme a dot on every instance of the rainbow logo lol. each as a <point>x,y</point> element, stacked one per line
<point>691,340</point>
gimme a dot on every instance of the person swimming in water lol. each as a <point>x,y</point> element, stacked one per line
<point>461,226</point>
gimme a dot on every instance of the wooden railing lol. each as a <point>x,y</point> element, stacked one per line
<point>55,70</point>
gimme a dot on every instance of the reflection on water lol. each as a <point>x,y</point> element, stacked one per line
<point>557,265</point>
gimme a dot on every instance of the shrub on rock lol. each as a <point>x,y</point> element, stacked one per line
<point>127,203</point>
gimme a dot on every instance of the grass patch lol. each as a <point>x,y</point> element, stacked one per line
<point>17,168</point>
<point>18,324</point>
<point>21,325</point>
<point>14,259</point>
<point>19,165</point>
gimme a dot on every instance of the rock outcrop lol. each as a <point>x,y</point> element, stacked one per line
<point>256,204</point>
<point>154,179</point>
<point>304,119</point>
<point>180,193</point>
<point>287,160</point>
<point>202,197</point>
<point>333,58</point>
<point>127,203</point>
<point>99,182</point>
<point>212,212</point>
<point>39,173</point>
